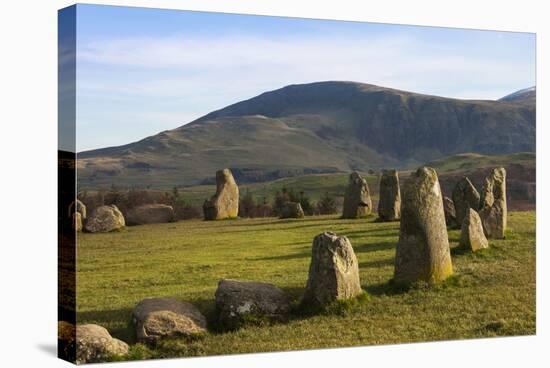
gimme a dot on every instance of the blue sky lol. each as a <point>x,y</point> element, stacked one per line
<point>141,71</point>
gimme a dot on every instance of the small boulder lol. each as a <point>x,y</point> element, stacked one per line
<point>150,214</point>
<point>291,210</point>
<point>450,213</point>
<point>225,203</point>
<point>494,211</point>
<point>465,196</point>
<point>156,318</point>
<point>357,201</point>
<point>471,233</point>
<point>423,252</point>
<point>94,344</point>
<point>389,202</point>
<point>77,222</point>
<point>333,271</point>
<point>104,219</point>
<point>241,302</point>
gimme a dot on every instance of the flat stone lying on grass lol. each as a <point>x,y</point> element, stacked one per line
<point>450,213</point>
<point>291,210</point>
<point>242,302</point>
<point>465,196</point>
<point>93,343</point>
<point>389,202</point>
<point>156,318</point>
<point>423,252</point>
<point>494,211</point>
<point>225,203</point>
<point>333,271</point>
<point>104,219</point>
<point>471,233</point>
<point>150,214</point>
<point>357,202</point>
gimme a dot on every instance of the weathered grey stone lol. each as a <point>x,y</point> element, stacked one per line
<point>77,222</point>
<point>389,203</point>
<point>156,318</point>
<point>242,302</point>
<point>333,271</point>
<point>494,211</point>
<point>150,214</point>
<point>104,219</point>
<point>357,202</point>
<point>291,210</point>
<point>471,233</point>
<point>94,344</point>
<point>77,206</point>
<point>464,196</point>
<point>225,203</point>
<point>422,252</point>
<point>450,213</point>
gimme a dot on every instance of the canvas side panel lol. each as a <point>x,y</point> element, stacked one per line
<point>66,182</point>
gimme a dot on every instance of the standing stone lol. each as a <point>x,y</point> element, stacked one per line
<point>242,302</point>
<point>333,271</point>
<point>422,252</point>
<point>464,196</point>
<point>357,202</point>
<point>77,221</point>
<point>291,210</point>
<point>104,219</point>
<point>450,212</point>
<point>150,214</point>
<point>493,210</point>
<point>225,203</point>
<point>471,233</point>
<point>156,318</point>
<point>389,203</point>
<point>94,344</point>
<point>77,206</point>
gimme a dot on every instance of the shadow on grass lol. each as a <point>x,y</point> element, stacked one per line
<point>374,247</point>
<point>387,288</point>
<point>285,257</point>
<point>105,317</point>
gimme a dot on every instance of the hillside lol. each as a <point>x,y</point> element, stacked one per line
<point>322,127</point>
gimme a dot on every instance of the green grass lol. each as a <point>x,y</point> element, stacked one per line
<point>491,294</point>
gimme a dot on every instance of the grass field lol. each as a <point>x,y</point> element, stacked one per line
<point>491,294</point>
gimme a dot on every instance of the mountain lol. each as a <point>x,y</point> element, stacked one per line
<point>315,128</point>
<point>526,95</point>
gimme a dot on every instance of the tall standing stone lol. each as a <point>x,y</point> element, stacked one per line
<point>450,212</point>
<point>422,252</point>
<point>465,196</point>
<point>225,203</point>
<point>471,232</point>
<point>333,272</point>
<point>357,202</point>
<point>389,203</point>
<point>494,212</point>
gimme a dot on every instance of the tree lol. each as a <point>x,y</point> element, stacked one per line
<point>327,205</point>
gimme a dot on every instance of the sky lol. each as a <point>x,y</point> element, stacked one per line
<point>141,71</point>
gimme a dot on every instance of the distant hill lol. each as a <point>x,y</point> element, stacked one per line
<point>322,127</point>
<point>526,95</point>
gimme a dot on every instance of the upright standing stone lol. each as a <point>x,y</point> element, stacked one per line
<point>471,233</point>
<point>422,252</point>
<point>333,271</point>
<point>465,196</point>
<point>389,203</point>
<point>77,206</point>
<point>357,202</point>
<point>450,212</point>
<point>225,203</point>
<point>493,210</point>
<point>291,210</point>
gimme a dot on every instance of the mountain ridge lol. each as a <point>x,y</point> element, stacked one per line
<point>317,127</point>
